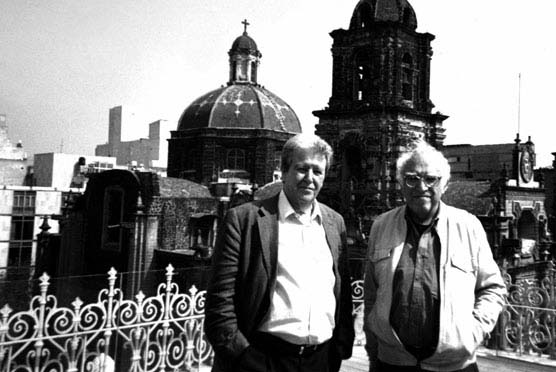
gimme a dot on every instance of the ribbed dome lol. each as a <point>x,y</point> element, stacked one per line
<point>245,44</point>
<point>367,12</point>
<point>240,106</point>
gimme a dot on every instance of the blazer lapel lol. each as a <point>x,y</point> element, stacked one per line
<point>332,235</point>
<point>267,220</point>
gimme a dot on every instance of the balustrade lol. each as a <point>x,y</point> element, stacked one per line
<point>164,332</point>
<point>157,333</point>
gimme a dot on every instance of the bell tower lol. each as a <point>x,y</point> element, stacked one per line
<point>379,104</point>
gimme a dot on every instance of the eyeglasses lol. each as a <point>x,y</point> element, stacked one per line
<point>412,180</point>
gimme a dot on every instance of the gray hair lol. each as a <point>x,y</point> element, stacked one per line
<point>434,157</point>
<point>305,141</point>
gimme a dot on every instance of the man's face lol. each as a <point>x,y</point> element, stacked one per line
<point>304,179</point>
<point>421,188</point>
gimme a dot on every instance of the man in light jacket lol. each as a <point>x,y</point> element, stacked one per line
<point>432,288</point>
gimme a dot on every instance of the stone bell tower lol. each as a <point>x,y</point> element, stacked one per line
<point>380,103</point>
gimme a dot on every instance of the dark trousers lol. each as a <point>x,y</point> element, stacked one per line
<point>385,367</point>
<point>271,355</point>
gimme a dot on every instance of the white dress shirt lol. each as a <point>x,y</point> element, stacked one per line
<point>303,303</point>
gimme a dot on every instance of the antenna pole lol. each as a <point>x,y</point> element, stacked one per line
<point>519,106</point>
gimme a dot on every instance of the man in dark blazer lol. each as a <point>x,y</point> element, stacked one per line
<point>279,298</point>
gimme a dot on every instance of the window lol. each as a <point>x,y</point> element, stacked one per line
<point>21,241</point>
<point>235,159</point>
<point>407,77</point>
<point>24,202</point>
<point>278,160</point>
<point>254,72</point>
<point>112,218</point>
<point>365,14</point>
<point>527,227</point>
<point>22,229</point>
<point>234,71</point>
<point>241,70</point>
<point>362,81</point>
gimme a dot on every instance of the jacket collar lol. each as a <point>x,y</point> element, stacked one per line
<point>394,242</point>
<point>267,219</point>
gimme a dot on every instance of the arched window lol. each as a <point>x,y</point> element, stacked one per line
<point>235,159</point>
<point>362,77</point>
<point>527,226</point>
<point>365,15</point>
<point>407,77</point>
<point>113,214</point>
<point>233,71</point>
<point>242,71</point>
<point>254,72</point>
<point>278,160</point>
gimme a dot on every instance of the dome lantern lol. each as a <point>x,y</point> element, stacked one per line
<point>244,59</point>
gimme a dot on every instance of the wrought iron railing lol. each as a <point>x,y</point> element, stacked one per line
<point>528,321</point>
<point>164,332</point>
<point>158,333</point>
<point>358,309</point>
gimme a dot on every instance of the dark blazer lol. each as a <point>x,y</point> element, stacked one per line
<point>244,276</point>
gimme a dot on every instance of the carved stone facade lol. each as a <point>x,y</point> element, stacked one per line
<point>380,104</point>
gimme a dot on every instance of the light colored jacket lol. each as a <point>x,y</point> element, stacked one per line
<point>471,289</point>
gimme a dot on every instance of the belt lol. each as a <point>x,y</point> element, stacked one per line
<point>275,345</point>
<point>385,367</point>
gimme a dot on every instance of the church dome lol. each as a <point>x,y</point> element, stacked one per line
<point>245,44</point>
<point>243,103</point>
<point>244,106</point>
<point>369,12</point>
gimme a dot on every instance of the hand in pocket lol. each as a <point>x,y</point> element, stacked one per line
<point>251,360</point>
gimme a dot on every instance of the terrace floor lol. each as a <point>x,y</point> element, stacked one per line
<point>488,360</point>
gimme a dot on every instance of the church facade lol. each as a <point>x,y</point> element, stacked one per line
<point>379,104</point>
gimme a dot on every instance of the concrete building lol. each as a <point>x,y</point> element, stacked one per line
<point>57,178</point>
<point>62,171</point>
<point>481,162</point>
<point>150,152</point>
<point>13,159</point>
<point>22,209</point>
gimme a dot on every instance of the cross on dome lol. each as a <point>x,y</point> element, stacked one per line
<point>245,24</point>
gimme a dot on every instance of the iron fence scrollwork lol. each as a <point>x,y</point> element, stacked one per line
<point>158,333</point>
<point>164,332</point>
<point>357,293</point>
<point>528,321</point>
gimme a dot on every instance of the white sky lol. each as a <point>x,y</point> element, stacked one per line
<point>64,63</point>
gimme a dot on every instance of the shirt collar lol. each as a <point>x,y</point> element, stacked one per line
<point>434,221</point>
<point>285,209</point>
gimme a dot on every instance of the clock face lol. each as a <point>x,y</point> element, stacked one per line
<point>525,166</point>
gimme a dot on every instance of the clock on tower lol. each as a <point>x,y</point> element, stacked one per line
<point>526,165</point>
<point>524,162</point>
